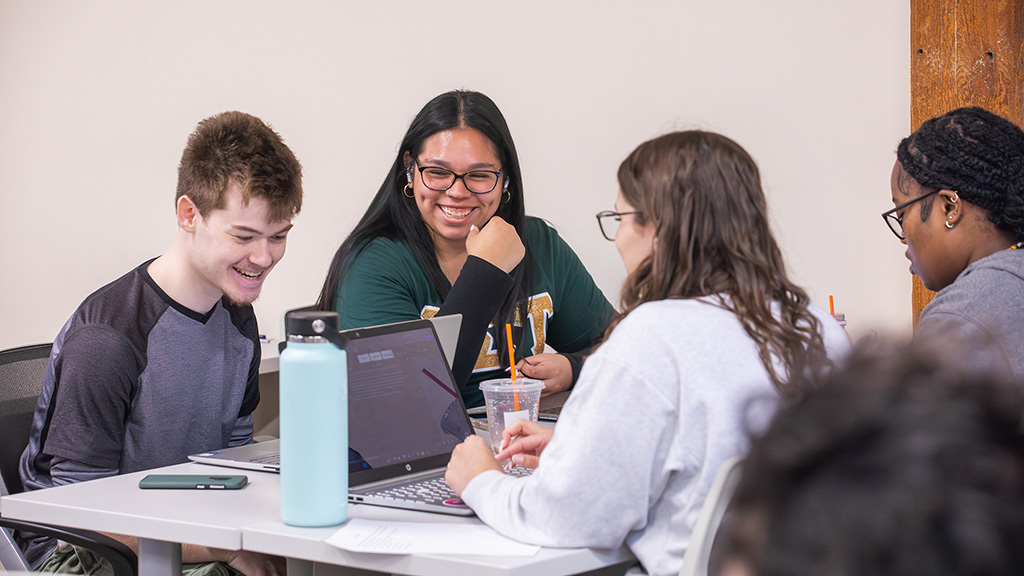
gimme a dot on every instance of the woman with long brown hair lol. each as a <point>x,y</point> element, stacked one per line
<point>709,321</point>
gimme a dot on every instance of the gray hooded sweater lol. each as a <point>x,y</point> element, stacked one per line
<point>983,310</point>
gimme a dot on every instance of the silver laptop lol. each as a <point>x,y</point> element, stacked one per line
<point>551,406</point>
<point>405,418</point>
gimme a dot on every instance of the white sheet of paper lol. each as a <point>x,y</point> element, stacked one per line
<point>361,535</point>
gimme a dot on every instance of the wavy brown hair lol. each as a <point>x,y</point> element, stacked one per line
<point>702,192</point>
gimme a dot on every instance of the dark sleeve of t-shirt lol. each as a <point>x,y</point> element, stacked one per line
<point>244,319</point>
<point>477,294</point>
<point>252,386</point>
<point>96,375</point>
<point>575,363</point>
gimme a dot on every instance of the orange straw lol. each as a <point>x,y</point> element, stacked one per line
<point>512,362</point>
<point>831,307</point>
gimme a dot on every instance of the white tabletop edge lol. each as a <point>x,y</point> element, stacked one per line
<point>18,508</point>
<point>117,505</point>
<point>307,544</point>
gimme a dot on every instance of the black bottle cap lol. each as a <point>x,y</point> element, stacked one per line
<point>311,323</point>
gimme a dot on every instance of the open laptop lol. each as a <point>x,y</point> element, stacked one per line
<point>405,418</point>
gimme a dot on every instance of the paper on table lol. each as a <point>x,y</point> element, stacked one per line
<point>361,535</point>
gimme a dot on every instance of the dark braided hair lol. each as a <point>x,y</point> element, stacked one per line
<point>976,153</point>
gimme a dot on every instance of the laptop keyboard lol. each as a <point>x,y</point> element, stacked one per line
<point>431,491</point>
<point>268,459</point>
<point>520,471</point>
<point>552,410</point>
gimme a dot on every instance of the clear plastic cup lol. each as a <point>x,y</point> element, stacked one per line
<point>507,401</point>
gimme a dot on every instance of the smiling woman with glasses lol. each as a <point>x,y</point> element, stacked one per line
<point>447,233</point>
<point>962,177</point>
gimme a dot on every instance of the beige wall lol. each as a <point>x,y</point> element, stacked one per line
<point>97,99</point>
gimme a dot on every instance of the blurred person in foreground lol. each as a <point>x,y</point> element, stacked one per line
<point>907,462</point>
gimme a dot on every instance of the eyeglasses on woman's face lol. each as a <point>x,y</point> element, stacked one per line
<point>609,222</point>
<point>894,217</point>
<point>441,179</point>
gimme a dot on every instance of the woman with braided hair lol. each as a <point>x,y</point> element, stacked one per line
<point>958,191</point>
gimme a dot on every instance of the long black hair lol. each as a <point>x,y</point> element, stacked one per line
<point>978,154</point>
<point>394,216</point>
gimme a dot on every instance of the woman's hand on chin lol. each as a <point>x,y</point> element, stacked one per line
<point>497,243</point>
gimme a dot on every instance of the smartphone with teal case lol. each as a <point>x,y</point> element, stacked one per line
<point>192,482</point>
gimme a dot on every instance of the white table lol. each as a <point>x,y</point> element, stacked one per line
<point>249,519</point>
<point>304,546</point>
<point>161,519</point>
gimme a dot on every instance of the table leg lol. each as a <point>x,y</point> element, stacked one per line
<point>298,567</point>
<point>159,558</point>
<point>321,569</point>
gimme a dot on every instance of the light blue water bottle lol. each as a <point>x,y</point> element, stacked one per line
<point>314,421</point>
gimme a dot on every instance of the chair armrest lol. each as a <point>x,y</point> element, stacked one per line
<point>122,559</point>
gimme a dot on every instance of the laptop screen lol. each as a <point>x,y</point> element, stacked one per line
<point>405,412</point>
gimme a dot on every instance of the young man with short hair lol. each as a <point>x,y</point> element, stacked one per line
<point>164,361</point>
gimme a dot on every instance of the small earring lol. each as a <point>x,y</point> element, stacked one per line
<point>956,196</point>
<point>408,191</point>
<point>949,224</point>
<point>506,196</point>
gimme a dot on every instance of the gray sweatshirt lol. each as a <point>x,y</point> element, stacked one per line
<point>657,409</point>
<point>983,311</point>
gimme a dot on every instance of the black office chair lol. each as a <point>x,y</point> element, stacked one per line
<point>21,377</point>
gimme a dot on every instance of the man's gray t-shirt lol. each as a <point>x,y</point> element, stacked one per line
<point>138,381</point>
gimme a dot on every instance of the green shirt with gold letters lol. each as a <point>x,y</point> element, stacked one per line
<point>568,312</point>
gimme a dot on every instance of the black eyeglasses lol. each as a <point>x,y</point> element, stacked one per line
<point>609,222</point>
<point>895,221</point>
<point>441,179</point>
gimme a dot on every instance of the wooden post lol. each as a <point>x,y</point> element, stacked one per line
<point>964,53</point>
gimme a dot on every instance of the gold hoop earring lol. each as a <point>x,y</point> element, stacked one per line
<point>408,191</point>
<point>956,196</point>
<point>506,196</point>
<point>949,224</point>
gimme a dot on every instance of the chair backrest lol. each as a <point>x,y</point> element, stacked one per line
<point>21,377</point>
<point>698,554</point>
<point>22,371</point>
